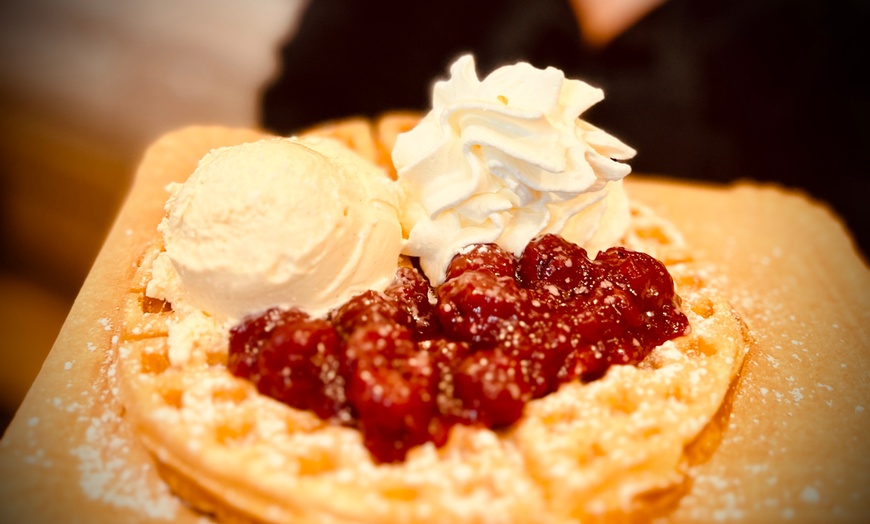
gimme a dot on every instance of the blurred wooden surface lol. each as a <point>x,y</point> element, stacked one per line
<point>85,86</point>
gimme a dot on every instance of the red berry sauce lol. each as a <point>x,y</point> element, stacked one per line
<point>405,365</point>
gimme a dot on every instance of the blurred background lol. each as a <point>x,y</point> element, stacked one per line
<point>714,90</point>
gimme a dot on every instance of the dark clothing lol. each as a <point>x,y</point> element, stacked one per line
<point>717,90</point>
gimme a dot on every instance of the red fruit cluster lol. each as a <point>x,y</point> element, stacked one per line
<point>405,365</point>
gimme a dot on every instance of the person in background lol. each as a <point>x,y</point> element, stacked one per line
<point>712,90</point>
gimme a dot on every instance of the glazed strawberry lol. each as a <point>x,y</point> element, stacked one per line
<point>479,307</point>
<point>297,366</point>
<point>493,388</point>
<point>367,307</point>
<point>416,303</point>
<point>483,257</point>
<point>552,264</point>
<point>247,338</point>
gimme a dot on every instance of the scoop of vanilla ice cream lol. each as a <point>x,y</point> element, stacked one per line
<point>505,159</point>
<point>280,222</point>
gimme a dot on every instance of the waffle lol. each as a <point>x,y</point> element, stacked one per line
<point>619,448</point>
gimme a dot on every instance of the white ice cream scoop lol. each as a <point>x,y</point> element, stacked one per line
<point>281,222</point>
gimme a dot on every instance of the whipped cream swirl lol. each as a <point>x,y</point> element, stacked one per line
<point>505,159</point>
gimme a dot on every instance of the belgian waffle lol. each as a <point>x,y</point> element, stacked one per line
<point>616,448</point>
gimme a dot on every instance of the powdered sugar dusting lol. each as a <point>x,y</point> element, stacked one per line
<point>108,470</point>
<point>790,339</point>
<point>811,495</point>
